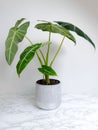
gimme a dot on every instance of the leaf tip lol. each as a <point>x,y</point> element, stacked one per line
<point>94,46</point>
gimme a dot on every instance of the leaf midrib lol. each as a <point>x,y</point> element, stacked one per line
<point>47,71</point>
<point>11,44</point>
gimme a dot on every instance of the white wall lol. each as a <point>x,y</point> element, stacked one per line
<point>77,66</point>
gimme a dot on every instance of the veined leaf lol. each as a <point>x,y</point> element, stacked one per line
<point>47,70</point>
<point>77,30</point>
<point>15,35</point>
<point>54,28</point>
<point>26,56</point>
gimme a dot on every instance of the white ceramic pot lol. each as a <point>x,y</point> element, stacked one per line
<point>48,96</point>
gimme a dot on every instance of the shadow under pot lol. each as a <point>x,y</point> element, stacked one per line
<point>48,97</point>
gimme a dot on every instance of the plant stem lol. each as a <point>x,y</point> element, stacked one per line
<point>41,63</point>
<point>48,50</point>
<point>29,40</point>
<point>47,80</point>
<point>58,50</point>
<point>42,56</point>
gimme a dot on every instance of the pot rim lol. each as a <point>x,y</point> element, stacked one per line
<point>57,82</point>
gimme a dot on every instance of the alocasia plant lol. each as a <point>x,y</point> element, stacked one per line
<point>18,33</point>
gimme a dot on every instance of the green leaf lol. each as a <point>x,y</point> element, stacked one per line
<point>26,56</point>
<point>47,70</point>
<point>15,35</point>
<point>77,30</point>
<point>54,28</point>
<point>19,22</point>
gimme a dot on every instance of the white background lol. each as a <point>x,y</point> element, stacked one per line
<point>77,66</point>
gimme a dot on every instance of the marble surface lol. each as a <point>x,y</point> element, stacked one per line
<point>18,112</point>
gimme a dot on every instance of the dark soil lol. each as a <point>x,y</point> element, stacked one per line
<point>52,82</point>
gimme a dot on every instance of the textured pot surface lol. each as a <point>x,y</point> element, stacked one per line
<point>48,96</point>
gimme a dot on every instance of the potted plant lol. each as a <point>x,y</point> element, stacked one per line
<point>48,90</point>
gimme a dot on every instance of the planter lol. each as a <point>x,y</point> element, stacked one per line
<point>48,96</point>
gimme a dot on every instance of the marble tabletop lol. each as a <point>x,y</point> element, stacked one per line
<point>18,112</point>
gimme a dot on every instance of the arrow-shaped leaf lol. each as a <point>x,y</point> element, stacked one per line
<point>54,28</point>
<point>15,35</point>
<point>26,56</point>
<point>77,30</point>
<point>47,70</point>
